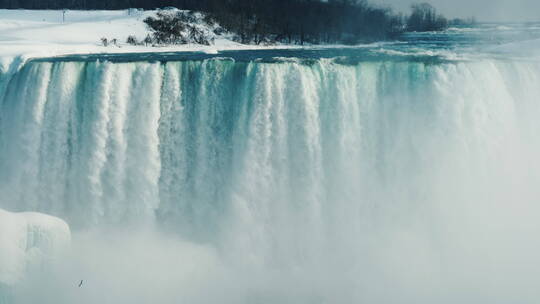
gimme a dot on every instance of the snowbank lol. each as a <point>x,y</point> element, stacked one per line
<point>27,240</point>
<point>44,33</point>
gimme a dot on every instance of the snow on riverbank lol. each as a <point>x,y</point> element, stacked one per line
<point>33,33</point>
<point>29,239</point>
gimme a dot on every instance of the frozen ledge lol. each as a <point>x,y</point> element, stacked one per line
<point>29,240</point>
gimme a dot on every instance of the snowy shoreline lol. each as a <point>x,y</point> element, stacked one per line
<point>31,34</point>
<point>27,34</point>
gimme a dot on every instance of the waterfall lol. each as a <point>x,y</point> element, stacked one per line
<point>350,169</point>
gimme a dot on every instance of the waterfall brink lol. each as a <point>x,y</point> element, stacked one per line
<point>352,177</point>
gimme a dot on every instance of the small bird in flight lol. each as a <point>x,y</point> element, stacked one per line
<point>80,284</point>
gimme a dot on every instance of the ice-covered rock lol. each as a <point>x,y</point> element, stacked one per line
<point>28,240</point>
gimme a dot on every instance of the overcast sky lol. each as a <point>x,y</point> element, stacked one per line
<point>484,10</point>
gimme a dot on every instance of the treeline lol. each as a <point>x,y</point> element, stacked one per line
<point>471,21</point>
<point>288,21</point>
<point>424,17</point>
<point>306,21</point>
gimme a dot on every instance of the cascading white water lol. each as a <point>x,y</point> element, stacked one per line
<point>348,180</point>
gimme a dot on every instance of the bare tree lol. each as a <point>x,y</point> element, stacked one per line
<point>424,17</point>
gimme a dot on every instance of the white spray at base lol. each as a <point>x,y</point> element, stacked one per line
<point>221,181</point>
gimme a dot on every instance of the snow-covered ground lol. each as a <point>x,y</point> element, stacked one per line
<point>44,33</point>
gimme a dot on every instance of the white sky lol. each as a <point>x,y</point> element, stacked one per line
<point>484,10</point>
